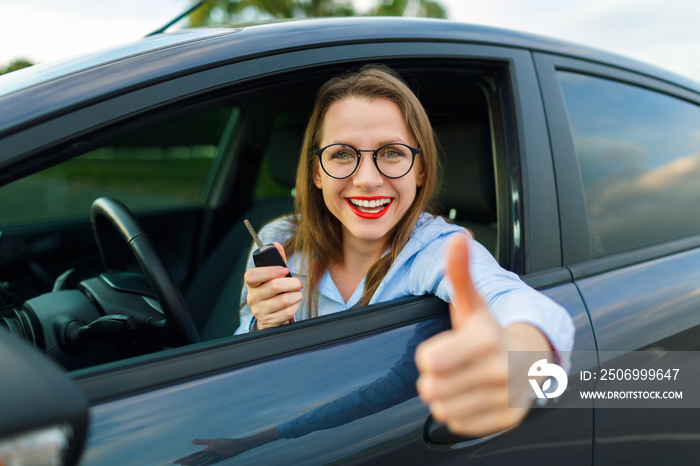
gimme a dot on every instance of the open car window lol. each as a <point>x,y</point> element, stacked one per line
<point>194,176</point>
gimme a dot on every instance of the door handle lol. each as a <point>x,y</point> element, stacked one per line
<point>437,435</point>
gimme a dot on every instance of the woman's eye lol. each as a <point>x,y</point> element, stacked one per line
<point>343,156</point>
<point>392,154</point>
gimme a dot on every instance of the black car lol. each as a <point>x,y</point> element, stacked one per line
<point>577,169</point>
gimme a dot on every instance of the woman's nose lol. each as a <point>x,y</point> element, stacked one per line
<point>367,177</point>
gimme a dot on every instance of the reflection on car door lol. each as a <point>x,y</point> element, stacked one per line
<point>649,305</point>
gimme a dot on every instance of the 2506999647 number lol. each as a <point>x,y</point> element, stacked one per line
<point>638,374</point>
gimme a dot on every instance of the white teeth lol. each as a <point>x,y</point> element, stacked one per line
<point>370,204</point>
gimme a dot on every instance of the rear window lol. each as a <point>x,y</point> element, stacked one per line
<point>639,154</point>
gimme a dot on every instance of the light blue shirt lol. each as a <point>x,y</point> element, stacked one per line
<point>418,270</point>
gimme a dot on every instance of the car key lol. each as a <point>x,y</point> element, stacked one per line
<point>266,254</point>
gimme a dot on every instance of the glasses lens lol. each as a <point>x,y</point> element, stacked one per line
<point>394,160</point>
<point>339,160</point>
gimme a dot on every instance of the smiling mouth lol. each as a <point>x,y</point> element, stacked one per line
<point>369,208</point>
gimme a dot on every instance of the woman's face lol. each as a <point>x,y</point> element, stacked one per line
<point>367,125</point>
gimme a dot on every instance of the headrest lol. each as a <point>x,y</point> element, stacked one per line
<point>468,185</point>
<point>282,150</point>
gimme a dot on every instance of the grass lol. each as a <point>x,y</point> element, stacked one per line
<point>140,172</point>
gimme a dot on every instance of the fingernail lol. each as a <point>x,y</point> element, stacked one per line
<point>283,271</point>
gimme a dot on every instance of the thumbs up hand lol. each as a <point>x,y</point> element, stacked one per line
<point>464,371</point>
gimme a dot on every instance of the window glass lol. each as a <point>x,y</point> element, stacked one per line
<point>163,167</point>
<point>639,153</point>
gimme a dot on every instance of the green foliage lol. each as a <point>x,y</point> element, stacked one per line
<point>16,65</point>
<point>424,8</point>
<point>181,177</point>
<point>233,11</point>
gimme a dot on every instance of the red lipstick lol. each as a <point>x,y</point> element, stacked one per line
<point>369,215</point>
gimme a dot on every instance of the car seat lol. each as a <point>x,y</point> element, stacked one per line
<point>214,294</point>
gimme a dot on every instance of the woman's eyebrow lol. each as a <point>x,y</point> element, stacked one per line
<point>388,141</point>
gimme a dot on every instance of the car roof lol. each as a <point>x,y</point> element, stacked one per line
<point>30,76</point>
<point>43,89</point>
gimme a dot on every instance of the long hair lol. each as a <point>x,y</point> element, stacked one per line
<point>317,233</point>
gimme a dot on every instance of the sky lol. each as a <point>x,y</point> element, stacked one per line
<point>664,33</point>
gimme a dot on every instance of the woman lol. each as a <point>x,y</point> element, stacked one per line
<point>366,178</point>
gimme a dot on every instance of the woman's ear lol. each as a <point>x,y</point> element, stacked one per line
<point>317,177</point>
<point>421,178</point>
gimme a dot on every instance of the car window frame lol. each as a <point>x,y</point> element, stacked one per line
<point>576,247</point>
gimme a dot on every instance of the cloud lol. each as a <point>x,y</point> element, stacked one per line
<point>631,208</point>
<point>680,173</point>
<point>663,33</point>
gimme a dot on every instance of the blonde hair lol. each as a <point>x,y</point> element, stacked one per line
<point>317,233</point>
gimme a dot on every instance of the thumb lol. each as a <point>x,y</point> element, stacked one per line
<point>281,250</point>
<point>466,298</point>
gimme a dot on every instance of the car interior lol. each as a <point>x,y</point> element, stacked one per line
<point>254,134</point>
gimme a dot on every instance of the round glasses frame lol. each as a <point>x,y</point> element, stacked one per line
<point>413,150</point>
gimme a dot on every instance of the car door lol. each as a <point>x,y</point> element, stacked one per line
<point>625,146</point>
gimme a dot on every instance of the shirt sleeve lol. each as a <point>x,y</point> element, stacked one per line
<point>424,272</point>
<point>512,301</point>
<point>509,298</point>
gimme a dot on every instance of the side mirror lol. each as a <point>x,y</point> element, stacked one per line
<point>44,415</point>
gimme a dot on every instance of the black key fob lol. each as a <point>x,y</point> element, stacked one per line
<point>266,254</point>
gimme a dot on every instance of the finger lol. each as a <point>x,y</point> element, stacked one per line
<point>467,299</point>
<point>458,349</point>
<point>257,276</point>
<point>432,354</point>
<point>277,319</point>
<point>470,404</point>
<point>277,311</point>
<point>278,288</point>
<point>487,422</point>
<point>433,386</point>
<point>277,307</point>
<point>489,372</point>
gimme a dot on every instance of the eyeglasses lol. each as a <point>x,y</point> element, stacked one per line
<point>340,161</point>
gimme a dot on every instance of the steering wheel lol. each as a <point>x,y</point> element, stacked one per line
<point>111,219</point>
